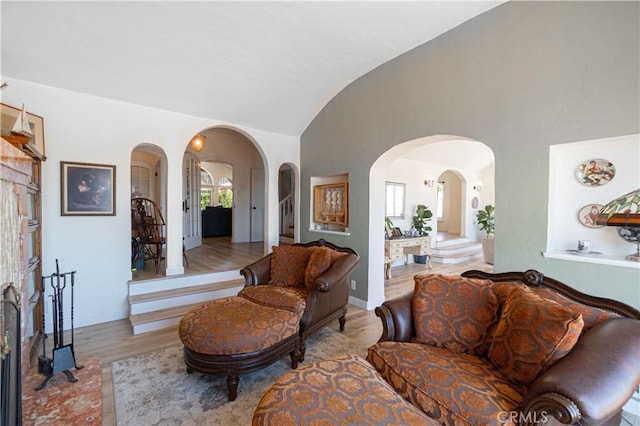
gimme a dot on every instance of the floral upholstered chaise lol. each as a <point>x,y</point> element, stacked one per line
<point>289,294</point>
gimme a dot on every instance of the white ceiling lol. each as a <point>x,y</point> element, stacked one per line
<point>268,65</point>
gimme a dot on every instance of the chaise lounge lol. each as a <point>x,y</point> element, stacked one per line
<point>289,294</point>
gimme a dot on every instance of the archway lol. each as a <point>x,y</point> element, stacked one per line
<point>413,162</point>
<point>451,209</point>
<point>239,168</point>
<point>148,174</point>
<point>288,204</point>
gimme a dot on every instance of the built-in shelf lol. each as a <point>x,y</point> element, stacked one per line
<point>592,258</point>
<point>328,231</point>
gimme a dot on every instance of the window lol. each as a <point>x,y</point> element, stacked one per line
<point>440,207</point>
<point>206,188</point>
<point>394,199</point>
<point>140,181</point>
<point>225,192</point>
<point>215,195</point>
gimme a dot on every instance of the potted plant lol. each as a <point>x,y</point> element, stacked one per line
<point>486,221</point>
<point>420,224</point>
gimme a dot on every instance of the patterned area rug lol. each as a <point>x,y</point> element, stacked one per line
<point>155,389</point>
<point>62,402</point>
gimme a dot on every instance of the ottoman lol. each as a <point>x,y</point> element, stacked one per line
<point>234,335</point>
<point>345,390</point>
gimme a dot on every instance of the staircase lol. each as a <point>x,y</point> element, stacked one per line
<point>160,303</point>
<point>287,225</point>
<point>454,250</point>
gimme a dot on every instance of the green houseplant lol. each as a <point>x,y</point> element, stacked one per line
<point>486,222</point>
<point>420,224</point>
<point>421,219</point>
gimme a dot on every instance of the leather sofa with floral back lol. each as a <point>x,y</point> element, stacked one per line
<point>510,348</point>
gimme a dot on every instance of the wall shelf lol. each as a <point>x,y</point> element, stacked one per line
<point>597,259</point>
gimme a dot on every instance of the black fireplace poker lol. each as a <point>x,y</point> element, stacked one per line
<point>63,356</point>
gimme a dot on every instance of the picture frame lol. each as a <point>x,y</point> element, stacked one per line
<point>35,147</point>
<point>87,189</point>
<point>397,232</point>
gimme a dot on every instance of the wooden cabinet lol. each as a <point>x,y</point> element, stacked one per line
<point>331,204</point>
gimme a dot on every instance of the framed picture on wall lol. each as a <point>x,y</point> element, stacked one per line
<point>87,189</point>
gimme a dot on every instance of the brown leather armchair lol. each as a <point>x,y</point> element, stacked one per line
<point>591,384</point>
<point>328,298</point>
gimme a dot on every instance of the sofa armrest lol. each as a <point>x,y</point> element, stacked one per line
<point>337,272</point>
<point>259,272</point>
<point>397,319</point>
<point>594,381</point>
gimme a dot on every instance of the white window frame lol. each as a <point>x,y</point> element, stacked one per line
<point>395,206</point>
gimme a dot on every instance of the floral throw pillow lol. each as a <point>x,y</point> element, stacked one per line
<point>532,334</point>
<point>288,264</point>
<point>319,262</point>
<point>453,312</point>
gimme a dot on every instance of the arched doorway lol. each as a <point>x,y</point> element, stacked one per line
<point>287,204</point>
<point>412,163</point>
<point>450,211</point>
<point>237,169</point>
<point>148,171</point>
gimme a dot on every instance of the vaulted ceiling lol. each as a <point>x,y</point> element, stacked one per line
<point>267,65</point>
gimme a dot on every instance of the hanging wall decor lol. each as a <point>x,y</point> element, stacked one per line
<point>87,189</point>
<point>595,172</point>
<point>588,214</point>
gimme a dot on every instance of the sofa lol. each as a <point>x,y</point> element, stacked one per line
<point>510,348</point>
<point>289,294</point>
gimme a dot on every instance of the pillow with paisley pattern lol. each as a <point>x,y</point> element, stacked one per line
<point>453,312</point>
<point>319,262</point>
<point>288,264</point>
<point>532,334</point>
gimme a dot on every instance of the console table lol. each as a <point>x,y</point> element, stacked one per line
<point>397,248</point>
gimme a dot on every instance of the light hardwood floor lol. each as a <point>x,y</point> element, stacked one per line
<point>216,254</point>
<point>114,341</point>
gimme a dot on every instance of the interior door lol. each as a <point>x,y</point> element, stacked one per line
<point>257,205</point>
<point>191,214</point>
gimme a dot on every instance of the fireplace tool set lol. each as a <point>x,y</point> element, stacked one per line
<point>63,357</point>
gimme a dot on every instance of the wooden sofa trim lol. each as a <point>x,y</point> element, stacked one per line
<point>533,278</point>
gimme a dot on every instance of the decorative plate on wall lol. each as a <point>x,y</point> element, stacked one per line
<point>588,214</point>
<point>595,172</point>
<point>474,202</point>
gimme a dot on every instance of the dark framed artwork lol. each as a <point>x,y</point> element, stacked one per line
<point>87,189</point>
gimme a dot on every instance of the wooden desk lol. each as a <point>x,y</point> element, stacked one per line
<point>397,248</point>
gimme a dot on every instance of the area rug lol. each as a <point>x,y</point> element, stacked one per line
<point>62,402</point>
<point>155,389</point>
